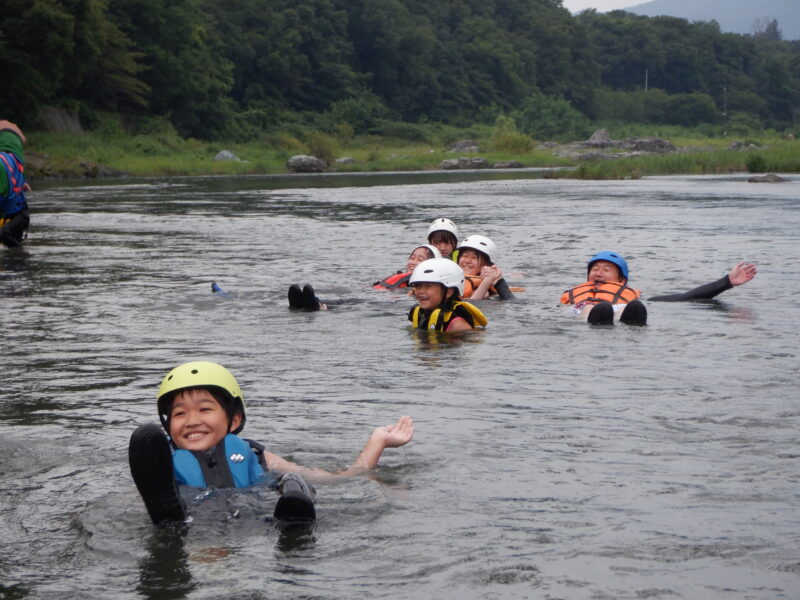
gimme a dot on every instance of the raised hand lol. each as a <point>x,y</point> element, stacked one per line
<point>398,434</point>
<point>742,273</point>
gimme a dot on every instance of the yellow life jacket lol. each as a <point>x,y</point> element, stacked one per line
<point>440,318</point>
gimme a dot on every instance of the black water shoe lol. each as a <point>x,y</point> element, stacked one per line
<point>601,314</point>
<point>310,300</point>
<point>150,460</point>
<point>295,296</point>
<point>9,241</point>
<point>296,504</point>
<point>634,313</point>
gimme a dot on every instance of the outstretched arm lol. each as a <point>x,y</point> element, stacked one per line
<point>739,274</point>
<point>389,436</point>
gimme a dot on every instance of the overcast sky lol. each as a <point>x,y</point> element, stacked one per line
<point>601,5</point>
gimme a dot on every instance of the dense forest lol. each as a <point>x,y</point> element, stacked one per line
<point>235,68</point>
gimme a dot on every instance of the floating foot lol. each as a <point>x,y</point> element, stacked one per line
<point>634,313</point>
<point>601,314</point>
<point>295,296</point>
<point>150,459</point>
<point>296,504</point>
<point>310,300</point>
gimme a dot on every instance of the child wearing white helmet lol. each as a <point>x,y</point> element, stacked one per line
<point>201,409</point>
<point>400,279</point>
<point>482,277</point>
<point>443,234</point>
<point>438,286</point>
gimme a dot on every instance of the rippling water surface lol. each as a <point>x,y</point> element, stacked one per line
<point>551,459</point>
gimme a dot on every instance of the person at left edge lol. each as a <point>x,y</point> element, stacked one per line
<point>14,216</point>
<point>438,287</point>
<point>201,407</point>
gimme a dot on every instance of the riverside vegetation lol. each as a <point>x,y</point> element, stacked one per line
<point>110,151</point>
<point>390,83</point>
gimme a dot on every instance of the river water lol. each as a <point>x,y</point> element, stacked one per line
<point>551,459</point>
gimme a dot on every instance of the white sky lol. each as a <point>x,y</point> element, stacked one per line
<point>575,6</point>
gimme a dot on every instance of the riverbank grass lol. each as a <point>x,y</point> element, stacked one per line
<point>167,154</point>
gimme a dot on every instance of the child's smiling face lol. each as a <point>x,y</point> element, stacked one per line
<point>197,421</point>
<point>429,295</point>
<point>417,256</point>
<point>471,261</point>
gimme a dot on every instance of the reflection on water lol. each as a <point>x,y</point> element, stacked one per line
<point>551,459</point>
<point>164,574</point>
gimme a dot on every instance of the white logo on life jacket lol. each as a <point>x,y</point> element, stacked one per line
<point>237,458</point>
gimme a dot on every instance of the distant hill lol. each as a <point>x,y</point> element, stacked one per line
<point>737,16</point>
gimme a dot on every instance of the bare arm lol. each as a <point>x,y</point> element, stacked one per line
<point>489,276</point>
<point>389,436</point>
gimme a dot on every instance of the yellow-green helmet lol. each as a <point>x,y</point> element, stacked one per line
<point>216,378</point>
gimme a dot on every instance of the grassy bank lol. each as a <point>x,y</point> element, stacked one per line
<point>771,156</point>
<point>53,155</point>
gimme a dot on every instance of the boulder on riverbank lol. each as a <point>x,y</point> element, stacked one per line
<point>302,163</point>
<point>771,178</point>
<point>601,140</point>
<point>463,163</point>
<point>463,146</point>
<point>227,155</point>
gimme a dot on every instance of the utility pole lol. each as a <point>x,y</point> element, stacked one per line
<point>645,78</point>
<point>724,100</point>
<point>725,111</point>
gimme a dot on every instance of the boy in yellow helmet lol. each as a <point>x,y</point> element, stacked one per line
<point>201,407</point>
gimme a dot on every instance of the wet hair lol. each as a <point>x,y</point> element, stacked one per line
<point>440,236</point>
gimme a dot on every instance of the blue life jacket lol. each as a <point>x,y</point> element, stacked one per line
<point>233,463</point>
<point>14,202</point>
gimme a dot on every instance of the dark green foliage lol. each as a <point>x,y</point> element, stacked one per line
<point>240,69</point>
<point>756,163</point>
<point>549,117</point>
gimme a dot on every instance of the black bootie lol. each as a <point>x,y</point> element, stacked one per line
<point>601,314</point>
<point>296,504</point>
<point>295,296</point>
<point>634,313</point>
<point>150,460</point>
<point>310,300</point>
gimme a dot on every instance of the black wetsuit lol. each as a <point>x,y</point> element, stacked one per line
<point>703,292</point>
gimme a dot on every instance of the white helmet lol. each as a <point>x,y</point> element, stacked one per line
<point>439,270</point>
<point>481,243</point>
<point>434,250</point>
<point>443,225</point>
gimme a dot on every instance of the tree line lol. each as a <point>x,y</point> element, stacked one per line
<point>235,68</point>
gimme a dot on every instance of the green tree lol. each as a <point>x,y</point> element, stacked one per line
<point>186,70</point>
<point>550,117</point>
<point>57,52</point>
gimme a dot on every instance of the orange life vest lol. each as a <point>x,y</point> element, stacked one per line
<point>615,293</point>
<point>471,283</point>
<point>398,280</point>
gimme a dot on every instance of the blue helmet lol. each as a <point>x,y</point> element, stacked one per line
<point>611,257</point>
